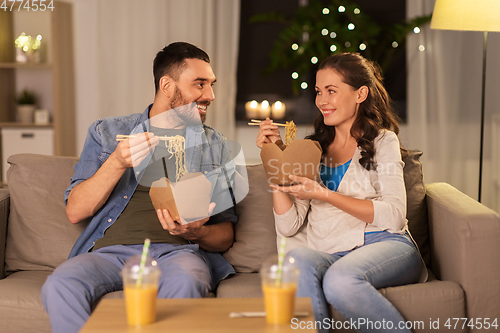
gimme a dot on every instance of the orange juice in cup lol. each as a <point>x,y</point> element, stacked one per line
<point>279,302</point>
<point>140,289</point>
<point>141,304</point>
<point>279,287</point>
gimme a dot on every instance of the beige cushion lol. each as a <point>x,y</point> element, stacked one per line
<point>39,235</point>
<point>255,237</point>
<point>241,285</point>
<point>21,308</point>
<point>416,205</point>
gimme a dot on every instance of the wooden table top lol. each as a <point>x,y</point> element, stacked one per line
<point>196,315</point>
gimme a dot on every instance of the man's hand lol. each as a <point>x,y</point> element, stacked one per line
<point>130,153</point>
<point>178,227</point>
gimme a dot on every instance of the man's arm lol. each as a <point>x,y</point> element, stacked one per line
<point>86,198</point>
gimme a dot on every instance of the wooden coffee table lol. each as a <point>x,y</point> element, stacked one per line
<point>193,315</point>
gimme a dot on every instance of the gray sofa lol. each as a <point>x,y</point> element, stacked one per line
<point>458,237</point>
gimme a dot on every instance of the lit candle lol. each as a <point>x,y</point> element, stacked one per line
<point>278,110</point>
<point>265,109</point>
<point>252,109</point>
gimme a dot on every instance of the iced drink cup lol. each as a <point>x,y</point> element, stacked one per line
<point>140,290</point>
<point>279,290</point>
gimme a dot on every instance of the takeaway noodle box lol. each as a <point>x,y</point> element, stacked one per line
<point>189,198</point>
<point>300,158</point>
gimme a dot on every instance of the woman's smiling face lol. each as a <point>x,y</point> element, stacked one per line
<point>337,101</point>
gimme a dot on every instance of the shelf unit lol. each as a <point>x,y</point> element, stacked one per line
<point>61,74</point>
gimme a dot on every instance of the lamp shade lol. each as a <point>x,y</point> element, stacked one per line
<point>473,15</point>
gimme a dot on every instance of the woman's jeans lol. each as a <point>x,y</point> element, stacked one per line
<point>349,281</point>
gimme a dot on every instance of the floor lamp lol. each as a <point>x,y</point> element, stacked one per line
<point>468,15</point>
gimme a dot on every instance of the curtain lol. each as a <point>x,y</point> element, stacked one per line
<point>444,106</point>
<point>117,40</point>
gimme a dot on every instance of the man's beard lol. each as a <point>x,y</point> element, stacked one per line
<point>188,112</point>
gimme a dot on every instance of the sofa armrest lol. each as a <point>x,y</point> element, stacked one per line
<point>4,215</point>
<point>465,247</point>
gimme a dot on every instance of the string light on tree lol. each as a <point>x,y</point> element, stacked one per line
<point>351,26</point>
<point>333,35</point>
<point>416,30</point>
<point>314,60</point>
<point>324,32</point>
<point>303,85</point>
<point>362,46</point>
<point>395,44</point>
<point>357,11</point>
<point>347,44</point>
<point>341,9</point>
<point>295,75</point>
<point>326,11</point>
<point>333,48</point>
<point>295,46</point>
<point>421,48</point>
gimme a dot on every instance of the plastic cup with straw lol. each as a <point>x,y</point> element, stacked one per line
<point>140,285</point>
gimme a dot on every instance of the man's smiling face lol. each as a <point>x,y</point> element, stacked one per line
<point>194,86</point>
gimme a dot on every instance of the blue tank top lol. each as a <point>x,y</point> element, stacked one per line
<point>332,177</point>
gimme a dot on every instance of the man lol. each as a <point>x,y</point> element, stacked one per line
<point>111,184</point>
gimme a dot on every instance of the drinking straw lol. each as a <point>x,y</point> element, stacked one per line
<point>281,256</point>
<point>144,256</point>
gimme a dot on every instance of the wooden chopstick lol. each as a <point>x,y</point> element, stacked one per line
<point>256,123</point>
<point>123,137</point>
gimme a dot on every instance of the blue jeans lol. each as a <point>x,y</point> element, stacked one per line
<point>349,280</point>
<point>70,293</point>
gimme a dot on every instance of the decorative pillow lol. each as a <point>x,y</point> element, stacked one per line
<point>255,236</point>
<point>416,204</point>
<point>39,235</point>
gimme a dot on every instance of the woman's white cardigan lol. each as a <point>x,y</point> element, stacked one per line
<point>330,229</point>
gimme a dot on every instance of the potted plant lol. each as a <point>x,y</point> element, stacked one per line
<point>26,104</point>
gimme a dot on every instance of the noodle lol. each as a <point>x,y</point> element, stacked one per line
<point>290,132</point>
<point>175,146</point>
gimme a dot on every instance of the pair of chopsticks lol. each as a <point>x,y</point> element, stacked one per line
<point>256,123</point>
<point>260,314</point>
<point>123,137</point>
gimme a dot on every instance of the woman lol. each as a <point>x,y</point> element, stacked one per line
<point>357,238</point>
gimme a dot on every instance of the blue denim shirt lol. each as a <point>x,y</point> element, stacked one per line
<point>207,151</point>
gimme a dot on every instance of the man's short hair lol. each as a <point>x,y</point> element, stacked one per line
<point>171,60</point>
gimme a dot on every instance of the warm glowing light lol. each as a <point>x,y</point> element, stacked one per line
<point>303,85</point>
<point>362,46</point>
<point>333,35</point>
<point>295,46</point>
<point>333,48</point>
<point>395,44</point>
<point>351,26</point>
<point>341,9</point>
<point>347,44</point>
<point>252,109</point>
<point>264,104</point>
<point>295,75</point>
<point>357,11</point>
<point>326,11</point>
<point>278,110</point>
<point>421,48</point>
<point>314,60</point>
<point>324,32</point>
<point>416,30</point>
